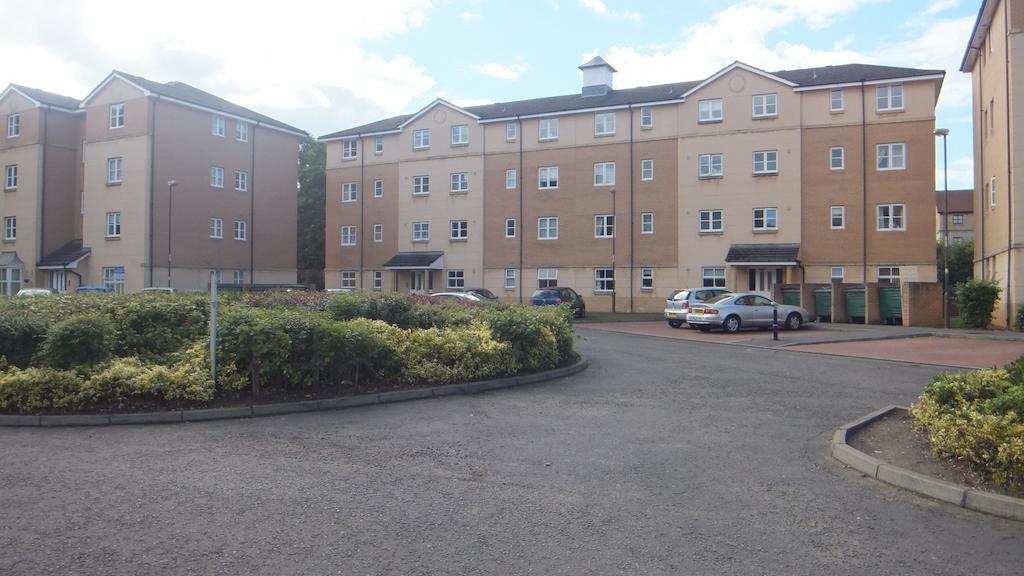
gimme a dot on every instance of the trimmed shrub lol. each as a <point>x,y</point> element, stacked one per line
<point>534,346</point>
<point>155,326</point>
<point>85,339</point>
<point>20,337</point>
<point>461,354</point>
<point>1018,321</point>
<point>976,300</point>
<point>35,389</point>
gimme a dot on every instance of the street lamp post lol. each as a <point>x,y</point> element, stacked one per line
<point>945,229</point>
<point>170,185</point>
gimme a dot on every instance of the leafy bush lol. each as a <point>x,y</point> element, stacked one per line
<point>460,354</point>
<point>155,326</point>
<point>1018,321</point>
<point>20,337</point>
<point>34,389</point>
<point>534,346</point>
<point>84,339</point>
<point>976,300</point>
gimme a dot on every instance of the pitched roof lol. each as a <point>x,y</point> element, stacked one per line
<point>66,255</point>
<point>48,98</point>
<point>595,62</point>
<point>982,25</point>
<point>762,253</point>
<point>959,201</point>
<point>804,78</point>
<point>413,259</point>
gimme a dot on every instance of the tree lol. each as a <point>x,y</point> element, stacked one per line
<point>312,204</point>
<point>961,261</point>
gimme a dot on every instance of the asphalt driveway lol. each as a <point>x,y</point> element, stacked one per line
<point>665,457</point>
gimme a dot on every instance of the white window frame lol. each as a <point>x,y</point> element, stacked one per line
<point>510,179</point>
<point>547,129</point>
<point>349,191</point>
<point>710,111</point>
<point>218,126</point>
<point>604,123</point>
<point>13,125</point>
<point>767,215</point>
<point>422,183</point>
<point>766,162</point>
<point>421,139</point>
<point>511,131</point>
<point>460,135</point>
<point>547,277</point>
<point>378,280</point>
<point>216,177</point>
<point>217,228</point>
<point>11,177</point>
<point>646,117</point>
<point>647,279</point>
<point>712,277</point>
<point>604,226</point>
<point>348,235</point>
<point>768,104</point>
<point>349,149</point>
<point>459,182</point>
<point>604,280</point>
<point>112,281</point>
<point>891,275</point>
<point>604,174</point>
<point>832,275</point>
<point>10,228</point>
<point>113,225</point>
<point>957,219</point>
<point>241,181</point>
<point>832,100</point>
<point>378,144</point>
<point>647,169</point>
<point>116,118</point>
<point>547,228</point>
<point>421,231</point>
<point>841,157</point>
<point>890,157</point>
<point>378,188</point>
<point>706,221</point>
<point>238,277</point>
<point>510,278</point>
<point>837,212</point>
<point>706,165</point>
<point>547,177</point>
<point>348,279</point>
<point>889,98</point>
<point>456,279</point>
<point>647,223</point>
<point>992,196</point>
<point>115,170</point>
<point>458,229</point>
<point>241,230</point>
<point>891,217</point>
<point>241,131</point>
<point>511,225</point>
<point>378,232</point>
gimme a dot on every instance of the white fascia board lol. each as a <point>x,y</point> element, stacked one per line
<point>360,135</point>
<point>870,82</point>
<point>37,103</point>
<point>438,101</point>
<point>741,66</point>
<point>580,111</point>
<point>227,115</point>
<point>106,81</point>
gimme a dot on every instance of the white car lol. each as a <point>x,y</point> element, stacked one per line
<point>457,296</point>
<point>678,303</point>
<point>29,292</point>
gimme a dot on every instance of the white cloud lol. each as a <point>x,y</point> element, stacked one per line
<point>601,9</point>
<point>469,16</point>
<point>467,102</point>
<point>502,71</point>
<point>939,6</point>
<point>961,172</point>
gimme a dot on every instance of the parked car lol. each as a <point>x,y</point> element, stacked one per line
<point>338,290</point>
<point>730,312</point>
<point>160,289</point>
<point>556,295</point>
<point>457,297</point>
<point>678,303</point>
<point>483,293</point>
<point>90,288</point>
<point>30,292</point>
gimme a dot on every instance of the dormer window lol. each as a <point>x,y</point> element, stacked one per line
<point>14,125</point>
<point>710,110</point>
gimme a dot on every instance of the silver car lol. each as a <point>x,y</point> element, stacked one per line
<point>678,303</point>
<point>731,312</point>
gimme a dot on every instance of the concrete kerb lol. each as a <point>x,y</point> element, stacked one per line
<point>986,502</point>
<point>205,414</point>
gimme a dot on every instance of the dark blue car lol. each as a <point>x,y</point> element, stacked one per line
<point>87,289</point>
<point>555,296</point>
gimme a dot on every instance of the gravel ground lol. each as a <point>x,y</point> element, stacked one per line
<point>665,457</point>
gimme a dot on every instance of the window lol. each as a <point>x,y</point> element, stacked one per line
<point>378,232</point>
<point>838,217</point>
<point>241,180</point>
<point>604,279</point>
<point>10,281</point>
<point>114,170</point>
<point>378,280</point>
<point>216,228</point>
<point>113,278</point>
<point>349,190</point>
<point>456,279</point>
<point>647,223</point>
<point>459,230</point>
<point>511,131</point>
<point>604,226</point>
<point>547,228</point>
<point>378,144</point>
<point>709,166</point>
<point>350,149</point>
<point>510,227</point>
<point>548,129</point>
<point>647,278</point>
<point>116,116</point>
<point>241,229</point>
<point>217,124</point>
<point>421,185</point>
<point>421,139</point>
<point>766,162</point>
<point>837,158</point>
<point>888,274</point>
<point>547,277</point>
<point>958,219</point>
<point>217,177</point>
<point>992,191</point>
<point>710,221</point>
<point>510,179</point>
<point>647,169</point>
<point>14,125</point>
<point>713,277</point>
<point>892,156</point>
<point>837,273</point>
<point>348,235</point>
<point>604,174</point>
<point>460,182</point>
<point>835,101</point>
<point>378,188</point>
<point>242,135</point>
<point>10,228</point>
<point>646,117</point>
<point>113,224</point>
<point>460,135</point>
<point>11,177</point>
<point>604,123</point>
<point>892,217</point>
<point>510,278</point>
<point>348,280</point>
<point>547,177</point>
<point>889,98</point>
<point>420,231</point>
<point>766,105</point>
<point>238,277</point>
<point>766,219</point>
<point>710,110</point>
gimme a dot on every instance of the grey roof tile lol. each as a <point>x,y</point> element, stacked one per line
<point>758,253</point>
<point>959,200</point>
<point>49,98</point>
<point>413,259</point>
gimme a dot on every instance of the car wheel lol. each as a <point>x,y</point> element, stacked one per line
<point>732,324</point>
<point>794,321</point>
<point>675,323</point>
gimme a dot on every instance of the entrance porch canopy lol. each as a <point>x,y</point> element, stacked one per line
<point>416,261</point>
<point>763,255</point>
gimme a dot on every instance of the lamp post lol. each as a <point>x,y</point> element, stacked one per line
<point>170,185</point>
<point>945,229</point>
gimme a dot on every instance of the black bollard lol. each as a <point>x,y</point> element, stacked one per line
<point>775,321</point>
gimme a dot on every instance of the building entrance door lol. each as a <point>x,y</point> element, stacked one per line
<point>417,282</point>
<point>761,280</point>
<point>59,281</point>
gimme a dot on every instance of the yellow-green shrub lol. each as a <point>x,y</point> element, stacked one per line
<point>34,389</point>
<point>460,354</point>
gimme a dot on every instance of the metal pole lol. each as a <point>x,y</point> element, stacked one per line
<point>170,186</point>
<point>775,321</point>
<point>945,230</point>
<point>213,325</point>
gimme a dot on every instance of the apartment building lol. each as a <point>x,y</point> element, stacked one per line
<point>959,214</point>
<point>994,58</point>
<point>745,179</point>
<point>145,184</point>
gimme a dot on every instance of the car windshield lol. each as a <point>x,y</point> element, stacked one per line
<point>679,295</point>
<point>545,294</point>
<point>718,299</point>
<point>484,292</point>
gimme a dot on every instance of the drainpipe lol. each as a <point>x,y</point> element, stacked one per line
<point>522,225</point>
<point>632,222</point>
<point>983,204</point>
<point>864,187</point>
<point>1009,175</point>
<point>361,197</point>
<point>42,193</point>
<point>152,182</point>
<point>252,208</point>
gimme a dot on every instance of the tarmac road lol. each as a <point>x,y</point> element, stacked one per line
<point>664,457</point>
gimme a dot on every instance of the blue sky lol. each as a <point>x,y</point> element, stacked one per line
<point>329,65</point>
